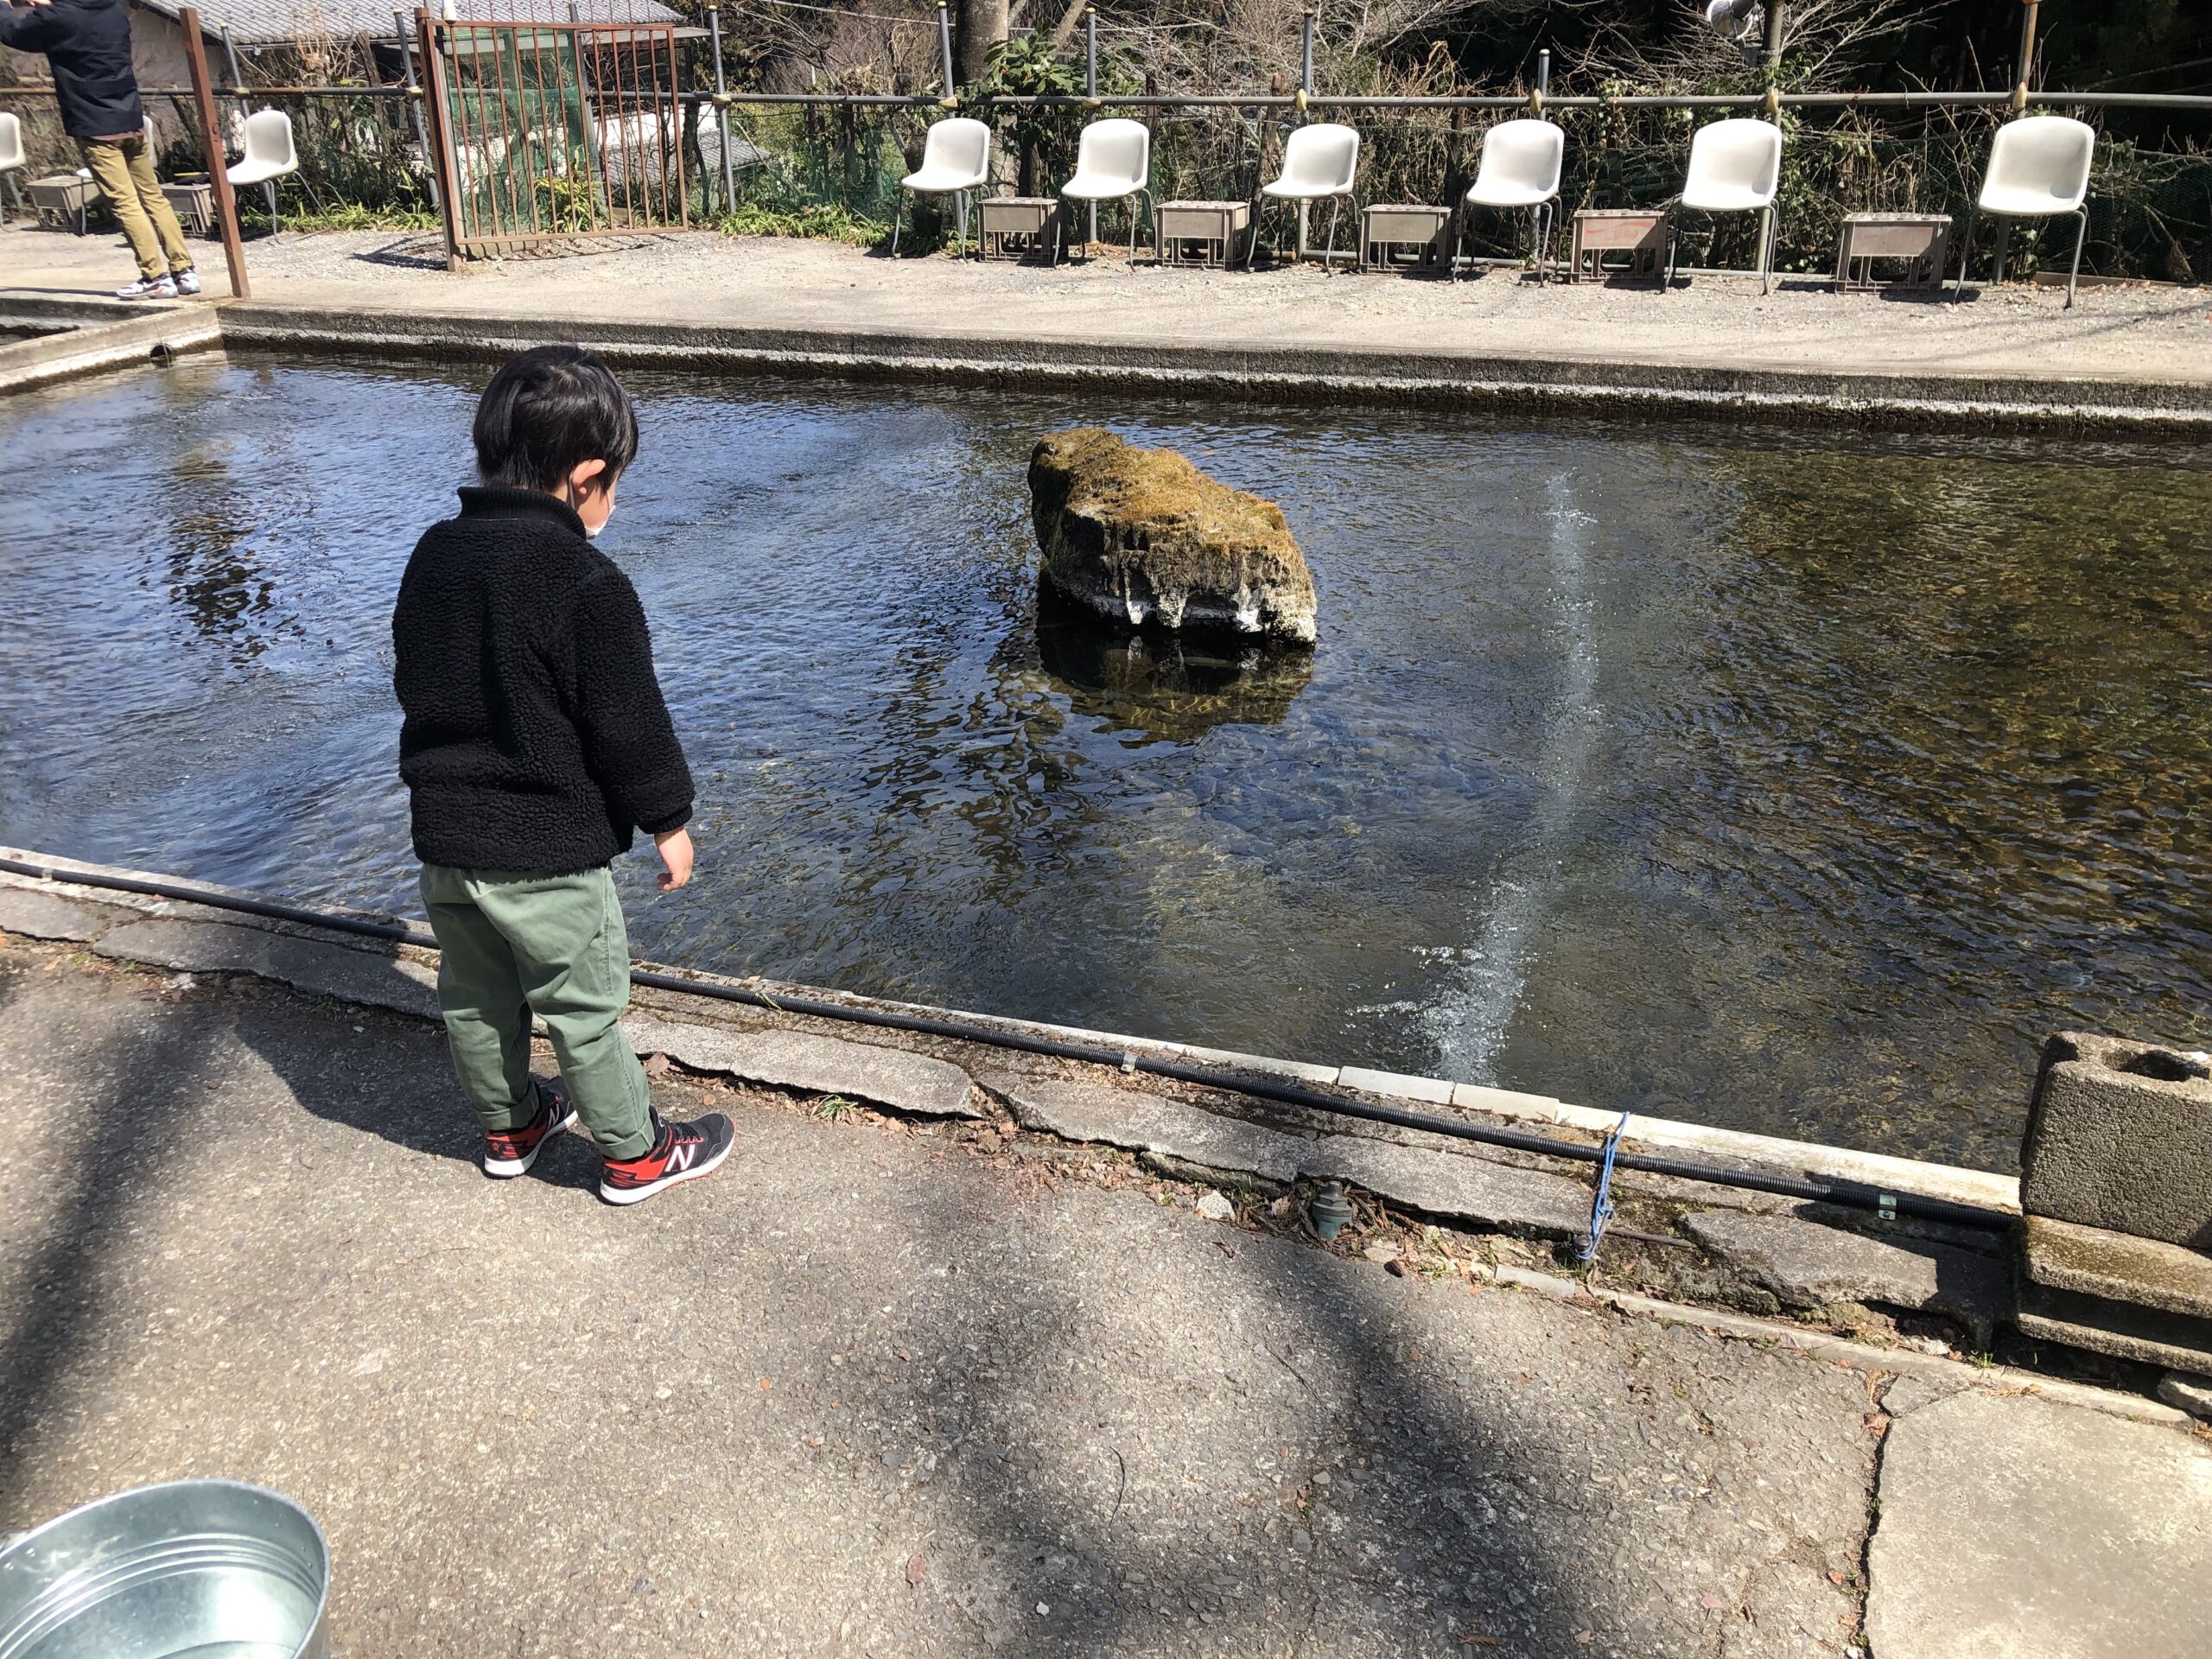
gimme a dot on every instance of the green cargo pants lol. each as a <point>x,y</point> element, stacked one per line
<point>554,946</point>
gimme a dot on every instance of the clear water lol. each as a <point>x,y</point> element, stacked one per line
<point>1799,784</point>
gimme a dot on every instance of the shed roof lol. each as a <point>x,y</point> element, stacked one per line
<point>261,22</point>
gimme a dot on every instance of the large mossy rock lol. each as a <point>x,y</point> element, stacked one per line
<point>1145,539</point>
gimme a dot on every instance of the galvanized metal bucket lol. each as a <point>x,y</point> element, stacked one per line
<point>213,1569</point>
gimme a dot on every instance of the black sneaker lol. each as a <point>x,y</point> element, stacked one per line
<point>510,1152</point>
<point>681,1152</point>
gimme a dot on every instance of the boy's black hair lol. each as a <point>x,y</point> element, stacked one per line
<point>548,410</point>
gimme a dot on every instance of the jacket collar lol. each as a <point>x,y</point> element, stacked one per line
<point>500,501</point>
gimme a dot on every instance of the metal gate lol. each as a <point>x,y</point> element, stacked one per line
<point>548,131</point>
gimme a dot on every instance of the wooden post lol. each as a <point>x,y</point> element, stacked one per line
<point>211,140</point>
<point>2027,55</point>
<point>433,98</point>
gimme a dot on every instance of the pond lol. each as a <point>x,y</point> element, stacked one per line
<point>1794,782</point>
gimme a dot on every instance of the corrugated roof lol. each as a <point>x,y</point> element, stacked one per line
<point>261,22</point>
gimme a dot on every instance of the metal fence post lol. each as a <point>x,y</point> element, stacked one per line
<point>210,139</point>
<point>1544,73</point>
<point>1777,14</point>
<point>1090,89</point>
<point>1305,91</point>
<point>721,111</point>
<point>238,84</point>
<point>415,106</point>
<point>945,42</point>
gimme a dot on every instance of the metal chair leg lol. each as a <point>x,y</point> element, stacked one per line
<point>1770,220</point>
<point>1329,253</point>
<point>2081,234</point>
<point>1252,248</point>
<point>898,212</point>
<point>1966,248</point>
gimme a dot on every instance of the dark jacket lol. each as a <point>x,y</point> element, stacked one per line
<point>88,44</point>
<point>534,735</point>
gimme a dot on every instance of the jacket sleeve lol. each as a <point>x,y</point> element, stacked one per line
<point>629,744</point>
<point>30,28</point>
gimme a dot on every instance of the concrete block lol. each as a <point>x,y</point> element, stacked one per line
<point>1437,1183</point>
<point>2110,1294</point>
<point>2141,1272</point>
<point>347,973</point>
<point>53,916</point>
<point>2012,1527</point>
<point>2188,1392</point>
<point>800,1060</point>
<point>2119,1137</point>
<point>1398,1083</point>
<point>1811,1267</point>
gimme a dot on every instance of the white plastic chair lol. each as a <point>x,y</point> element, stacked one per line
<point>1318,162</point>
<point>2038,168</point>
<point>1113,162</point>
<point>955,159</point>
<point>1520,168</point>
<point>269,154</point>
<point>11,155</point>
<point>1735,168</point>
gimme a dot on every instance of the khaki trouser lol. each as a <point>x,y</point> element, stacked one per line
<point>124,173</point>
<point>554,946</point>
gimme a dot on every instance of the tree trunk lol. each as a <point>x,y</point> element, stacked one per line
<point>983,26</point>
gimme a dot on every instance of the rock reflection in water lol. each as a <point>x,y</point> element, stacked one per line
<point>1166,690</point>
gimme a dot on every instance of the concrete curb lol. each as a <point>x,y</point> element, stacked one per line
<point>1260,370</point>
<point>271,948</point>
<point>1900,1175</point>
<point>1858,1356</point>
<point>94,345</point>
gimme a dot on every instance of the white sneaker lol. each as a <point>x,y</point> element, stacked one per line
<point>187,282</point>
<point>148,288</point>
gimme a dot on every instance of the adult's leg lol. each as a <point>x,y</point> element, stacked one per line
<point>140,156</point>
<point>111,170</point>
<point>480,993</point>
<point>572,954</point>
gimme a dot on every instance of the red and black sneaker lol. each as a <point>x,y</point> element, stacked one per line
<point>681,1152</point>
<point>510,1152</point>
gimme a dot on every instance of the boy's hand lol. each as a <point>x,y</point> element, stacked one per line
<point>675,850</point>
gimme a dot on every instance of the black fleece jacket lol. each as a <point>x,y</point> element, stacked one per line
<point>87,42</point>
<point>534,735</point>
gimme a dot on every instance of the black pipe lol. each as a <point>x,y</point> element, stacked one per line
<point>1856,1195</point>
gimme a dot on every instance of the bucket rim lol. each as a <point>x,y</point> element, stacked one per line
<point>22,1541</point>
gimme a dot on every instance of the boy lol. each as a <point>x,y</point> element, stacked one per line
<point>535,739</point>
<point>87,43</point>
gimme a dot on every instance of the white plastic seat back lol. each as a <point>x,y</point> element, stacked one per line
<point>269,151</point>
<point>956,156</point>
<point>2039,164</point>
<point>1521,165</point>
<point>1735,166</point>
<point>1321,160</point>
<point>11,142</point>
<point>1112,158</point>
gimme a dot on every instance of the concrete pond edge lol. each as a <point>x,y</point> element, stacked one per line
<point>181,936</point>
<point>1240,371</point>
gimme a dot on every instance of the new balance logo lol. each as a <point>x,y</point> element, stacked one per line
<point>681,1154</point>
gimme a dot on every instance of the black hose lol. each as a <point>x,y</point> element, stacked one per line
<point>1857,1195</point>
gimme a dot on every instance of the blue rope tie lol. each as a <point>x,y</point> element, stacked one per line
<point>1601,1206</point>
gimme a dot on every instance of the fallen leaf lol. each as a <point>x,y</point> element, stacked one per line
<point>1712,1604</point>
<point>917,1569</point>
<point>766,1385</point>
<point>656,1065</point>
